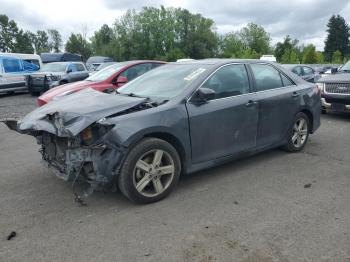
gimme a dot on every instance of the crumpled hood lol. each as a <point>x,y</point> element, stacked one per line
<point>70,115</point>
<point>335,78</point>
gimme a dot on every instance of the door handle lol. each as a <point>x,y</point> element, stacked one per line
<point>295,94</point>
<point>251,103</point>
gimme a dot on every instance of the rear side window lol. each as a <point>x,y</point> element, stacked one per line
<point>230,80</point>
<point>266,77</point>
<point>11,65</point>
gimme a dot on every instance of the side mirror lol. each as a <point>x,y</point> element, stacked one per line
<point>69,70</point>
<point>121,80</point>
<point>334,70</point>
<point>108,90</point>
<point>203,95</point>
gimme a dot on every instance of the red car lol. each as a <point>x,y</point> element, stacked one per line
<point>112,76</point>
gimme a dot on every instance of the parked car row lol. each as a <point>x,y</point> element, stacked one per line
<point>175,119</point>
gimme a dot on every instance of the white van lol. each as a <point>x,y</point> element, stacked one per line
<point>13,72</point>
<point>270,58</point>
<point>30,58</point>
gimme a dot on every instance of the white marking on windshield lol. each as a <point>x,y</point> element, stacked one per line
<point>194,74</point>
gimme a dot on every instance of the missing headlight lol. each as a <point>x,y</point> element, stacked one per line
<point>94,133</point>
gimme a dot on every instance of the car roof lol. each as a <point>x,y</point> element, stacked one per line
<point>222,61</point>
<point>65,63</point>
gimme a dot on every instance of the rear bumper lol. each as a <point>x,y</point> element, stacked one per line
<point>40,85</point>
<point>334,102</point>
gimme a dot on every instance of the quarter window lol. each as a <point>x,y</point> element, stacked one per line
<point>228,81</point>
<point>266,77</point>
<point>286,81</point>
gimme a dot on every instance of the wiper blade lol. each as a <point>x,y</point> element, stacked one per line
<point>131,95</point>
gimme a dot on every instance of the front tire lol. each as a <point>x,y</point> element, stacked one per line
<point>298,133</point>
<point>150,171</point>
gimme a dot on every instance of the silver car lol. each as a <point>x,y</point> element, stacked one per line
<point>55,74</point>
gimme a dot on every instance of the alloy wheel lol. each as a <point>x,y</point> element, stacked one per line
<point>300,132</point>
<point>153,173</point>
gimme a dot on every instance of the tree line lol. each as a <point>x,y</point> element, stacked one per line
<point>173,33</point>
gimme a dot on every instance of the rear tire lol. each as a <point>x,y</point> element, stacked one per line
<point>298,134</point>
<point>150,171</point>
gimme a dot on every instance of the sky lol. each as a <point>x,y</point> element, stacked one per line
<point>305,20</point>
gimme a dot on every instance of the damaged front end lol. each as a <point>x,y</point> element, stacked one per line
<point>73,136</point>
<point>85,156</point>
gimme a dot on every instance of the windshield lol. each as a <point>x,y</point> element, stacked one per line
<point>104,65</point>
<point>106,72</point>
<point>164,82</point>
<point>345,67</point>
<point>52,67</point>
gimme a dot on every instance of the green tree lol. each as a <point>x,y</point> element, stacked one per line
<point>159,33</point>
<point>337,57</point>
<point>55,40</point>
<point>23,42</point>
<point>102,42</point>
<point>309,55</point>
<point>290,56</point>
<point>41,42</point>
<point>337,38</point>
<point>77,44</point>
<point>285,48</point>
<point>8,34</point>
<point>255,37</point>
<point>320,57</point>
<point>231,45</point>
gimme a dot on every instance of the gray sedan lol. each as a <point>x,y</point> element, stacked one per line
<point>176,119</point>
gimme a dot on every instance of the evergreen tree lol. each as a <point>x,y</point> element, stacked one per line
<point>337,38</point>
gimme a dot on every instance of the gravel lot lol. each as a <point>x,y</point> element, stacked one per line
<point>271,207</point>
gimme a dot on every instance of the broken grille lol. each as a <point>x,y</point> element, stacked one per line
<point>338,88</point>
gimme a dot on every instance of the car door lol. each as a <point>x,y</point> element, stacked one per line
<point>278,101</point>
<point>227,124</point>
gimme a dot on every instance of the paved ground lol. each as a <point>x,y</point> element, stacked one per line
<point>256,209</point>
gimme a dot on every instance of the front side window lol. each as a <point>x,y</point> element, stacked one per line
<point>136,70</point>
<point>231,80</point>
<point>297,70</point>
<point>72,68</point>
<point>80,67</point>
<point>308,70</point>
<point>266,77</point>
